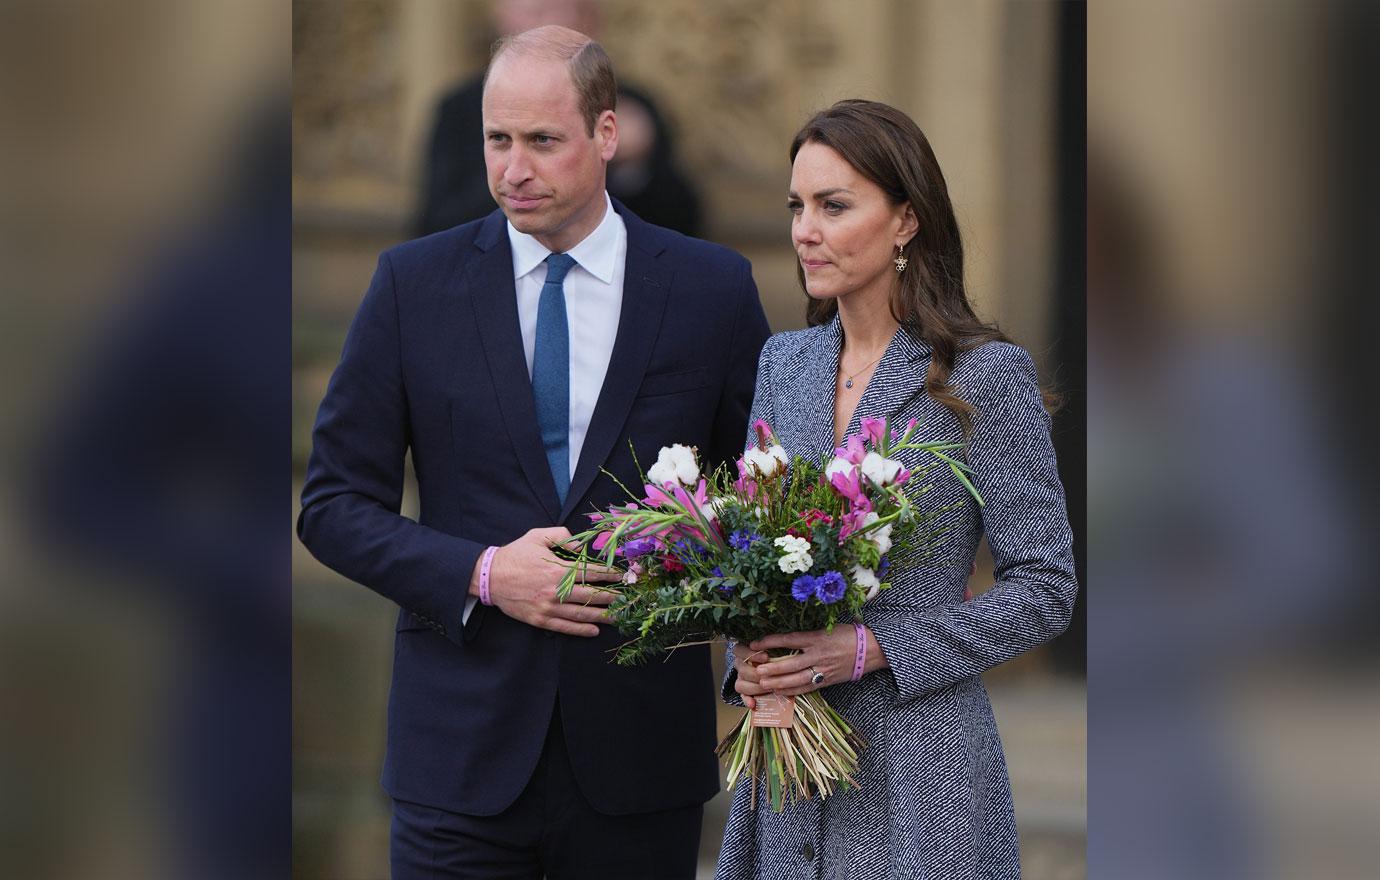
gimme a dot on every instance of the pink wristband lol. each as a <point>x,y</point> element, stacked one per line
<point>861,658</point>
<point>484,575</point>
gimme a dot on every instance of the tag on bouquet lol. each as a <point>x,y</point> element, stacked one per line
<point>774,710</point>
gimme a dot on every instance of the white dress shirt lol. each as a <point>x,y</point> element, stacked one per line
<point>593,303</point>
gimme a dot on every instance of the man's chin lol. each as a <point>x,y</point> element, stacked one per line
<point>527,222</point>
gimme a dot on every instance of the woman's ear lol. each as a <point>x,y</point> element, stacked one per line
<point>910,225</point>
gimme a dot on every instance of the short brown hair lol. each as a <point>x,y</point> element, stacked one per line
<point>591,69</point>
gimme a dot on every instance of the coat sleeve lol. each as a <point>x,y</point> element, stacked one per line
<point>352,495</point>
<point>1027,529</point>
<point>761,409</point>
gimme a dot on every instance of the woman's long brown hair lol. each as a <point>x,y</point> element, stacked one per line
<point>930,302</point>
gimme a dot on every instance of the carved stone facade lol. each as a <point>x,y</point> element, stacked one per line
<point>735,80</point>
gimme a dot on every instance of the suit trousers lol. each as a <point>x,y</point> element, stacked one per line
<point>550,831</point>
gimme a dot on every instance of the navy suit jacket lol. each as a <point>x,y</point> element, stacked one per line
<point>433,364</point>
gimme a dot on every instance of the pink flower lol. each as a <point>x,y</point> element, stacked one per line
<point>657,496</point>
<point>852,451</point>
<point>854,519</point>
<point>850,485</point>
<point>874,430</point>
<point>746,486</point>
<point>815,515</point>
<point>765,437</point>
<point>908,429</point>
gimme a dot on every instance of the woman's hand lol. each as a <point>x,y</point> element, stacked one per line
<point>745,662</point>
<point>830,653</point>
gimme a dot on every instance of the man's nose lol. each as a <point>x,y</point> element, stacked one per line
<point>518,169</point>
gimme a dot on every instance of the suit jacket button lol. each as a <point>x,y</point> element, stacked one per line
<point>808,852</point>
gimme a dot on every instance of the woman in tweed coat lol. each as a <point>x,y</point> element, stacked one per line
<point>892,336</point>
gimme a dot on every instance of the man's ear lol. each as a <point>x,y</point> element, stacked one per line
<point>606,133</point>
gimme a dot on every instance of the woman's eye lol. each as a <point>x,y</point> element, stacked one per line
<point>794,206</point>
<point>834,207</point>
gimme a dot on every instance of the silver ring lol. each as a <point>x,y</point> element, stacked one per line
<point>818,677</point>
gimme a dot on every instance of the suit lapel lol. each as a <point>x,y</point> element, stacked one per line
<point>493,296</point>
<point>646,286</point>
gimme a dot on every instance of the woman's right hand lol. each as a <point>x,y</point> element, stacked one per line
<point>748,683</point>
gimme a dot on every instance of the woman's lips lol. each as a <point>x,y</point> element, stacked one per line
<point>814,264</point>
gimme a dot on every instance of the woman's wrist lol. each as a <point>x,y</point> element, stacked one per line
<point>876,659</point>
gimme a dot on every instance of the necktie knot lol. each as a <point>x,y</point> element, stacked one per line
<point>556,267</point>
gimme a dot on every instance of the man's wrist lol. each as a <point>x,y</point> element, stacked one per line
<point>485,573</point>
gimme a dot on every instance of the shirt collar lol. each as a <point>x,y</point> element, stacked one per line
<point>596,253</point>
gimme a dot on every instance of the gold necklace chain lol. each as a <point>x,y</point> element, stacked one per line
<point>848,382</point>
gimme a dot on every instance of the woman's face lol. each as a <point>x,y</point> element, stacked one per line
<point>844,228</point>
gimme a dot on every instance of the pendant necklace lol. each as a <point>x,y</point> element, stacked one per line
<point>848,382</point>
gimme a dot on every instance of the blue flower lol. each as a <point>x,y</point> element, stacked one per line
<point>717,572</point>
<point>883,566</point>
<point>803,587</point>
<point>743,539</point>
<point>688,552</point>
<point>830,587</point>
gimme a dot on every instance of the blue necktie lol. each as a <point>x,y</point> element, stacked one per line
<point>551,372</point>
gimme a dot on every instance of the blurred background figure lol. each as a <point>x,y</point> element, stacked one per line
<point>643,175</point>
<point>998,87</point>
<point>145,224</point>
<point>1232,692</point>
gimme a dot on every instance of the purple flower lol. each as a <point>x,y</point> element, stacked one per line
<point>883,566</point>
<point>830,587</point>
<point>639,547</point>
<point>743,539</point>
<point>802,588</point>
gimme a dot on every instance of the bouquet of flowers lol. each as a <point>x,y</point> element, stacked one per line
<point>781,546</point>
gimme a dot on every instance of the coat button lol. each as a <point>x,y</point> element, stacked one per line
<point>808,852</point>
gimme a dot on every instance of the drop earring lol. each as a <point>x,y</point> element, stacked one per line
<point>901,260</point>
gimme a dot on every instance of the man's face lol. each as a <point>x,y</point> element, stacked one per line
<point>545,171</point>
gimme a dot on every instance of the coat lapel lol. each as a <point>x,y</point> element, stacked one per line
<point>808,392</point>
<point>899,377</point>
<point>493,296</point>
<point>646,286</point>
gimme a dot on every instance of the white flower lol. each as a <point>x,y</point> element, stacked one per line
<point>795,556</point>
<point>630,576</point>
<point>717,504</point>
<point>766,462</point>
<point>881,537</point>
<point>880,471</point>
<point>866,577</point>
<point>675,464</point>
<point>838,466</point>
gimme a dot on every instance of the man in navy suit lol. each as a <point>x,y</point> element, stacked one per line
<point>516,357</point>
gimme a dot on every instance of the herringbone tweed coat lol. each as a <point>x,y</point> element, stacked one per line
<point>934,802</point>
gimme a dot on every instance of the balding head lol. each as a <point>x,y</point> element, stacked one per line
<point>589,66</point>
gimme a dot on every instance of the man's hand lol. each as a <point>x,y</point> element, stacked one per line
<point>523,579</point>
